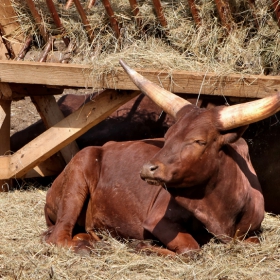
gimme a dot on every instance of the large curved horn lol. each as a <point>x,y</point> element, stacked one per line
<point>169,102</point>
<point>250,112</point>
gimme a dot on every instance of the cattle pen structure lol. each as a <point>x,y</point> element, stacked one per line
<point>43,52</point>
<point>42,80</point>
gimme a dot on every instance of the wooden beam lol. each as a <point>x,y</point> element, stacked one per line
<point>51,114</point>
<point>55,74</point>
<point>12,29</point>
<point>61,134</point>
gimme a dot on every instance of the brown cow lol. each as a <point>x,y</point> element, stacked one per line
<point>210,187</point>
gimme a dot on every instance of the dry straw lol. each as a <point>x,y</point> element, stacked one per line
<point>24,256</point>
<point>248,49</point>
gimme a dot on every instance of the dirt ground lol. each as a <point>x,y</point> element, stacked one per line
<point>24,113</point>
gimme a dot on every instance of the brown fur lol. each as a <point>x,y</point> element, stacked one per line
<point>212,189</point>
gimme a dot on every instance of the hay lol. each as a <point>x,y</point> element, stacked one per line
<point>246,50</point>
<point>24,256</point>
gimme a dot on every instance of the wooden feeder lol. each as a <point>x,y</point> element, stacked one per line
<point>42,81</point>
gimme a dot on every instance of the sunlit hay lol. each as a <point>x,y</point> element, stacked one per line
<point>252,47</point>
<point>24,255</point>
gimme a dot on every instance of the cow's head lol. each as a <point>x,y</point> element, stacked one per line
<point>193,145</point>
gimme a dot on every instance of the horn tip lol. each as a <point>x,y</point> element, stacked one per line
<point>122,63</point>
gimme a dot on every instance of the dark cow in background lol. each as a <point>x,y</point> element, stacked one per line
<point>203,183</point>
<point>264,146</point>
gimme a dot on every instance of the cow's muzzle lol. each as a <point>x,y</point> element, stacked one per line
<point>148,174</point>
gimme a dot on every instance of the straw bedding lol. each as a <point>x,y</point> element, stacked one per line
<point>24,256</point>
<point>248,49</point>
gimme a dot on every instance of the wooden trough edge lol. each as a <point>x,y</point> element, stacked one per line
<point>80,76</point>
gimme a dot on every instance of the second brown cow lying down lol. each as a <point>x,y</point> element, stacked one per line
<point>196,183</point>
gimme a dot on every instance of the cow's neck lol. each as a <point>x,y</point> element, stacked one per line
<point>217,203</point>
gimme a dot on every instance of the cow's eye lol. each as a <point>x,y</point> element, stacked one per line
<point>200,142</point>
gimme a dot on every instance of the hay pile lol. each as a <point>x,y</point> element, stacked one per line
<point>24,256</point>
<point>248,49</point>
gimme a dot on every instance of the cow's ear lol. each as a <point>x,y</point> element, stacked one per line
<point>233,135</point>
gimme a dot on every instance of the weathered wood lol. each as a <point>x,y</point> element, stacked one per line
<point>55,74</point>
<point>51,114</point>
<point>10,26</point>
<point>61,134</point>
<point>3,50</point>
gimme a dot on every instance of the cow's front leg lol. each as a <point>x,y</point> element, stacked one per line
<point>66,213</point>
<point>172,236</point>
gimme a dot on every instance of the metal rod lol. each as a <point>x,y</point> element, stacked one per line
<point>136,12</point>
<point>194,12</point>
<point>57,20</point>
<point>159,12</point>
<point>84,20</point>
<point>225,15</point>
<point>47,49</point>
<point>25,48</point>
<point>276,7</point>
<point>69,4</point>
<point>113,21</point>
<point>91,3</point>
<point>38,19</point>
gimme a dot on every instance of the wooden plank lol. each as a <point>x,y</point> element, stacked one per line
<point>51,114</point>
<point>64,132</point>
<point>12,29</point>
<point>251,86</point>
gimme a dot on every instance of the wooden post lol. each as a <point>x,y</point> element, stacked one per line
<point>51,115</point>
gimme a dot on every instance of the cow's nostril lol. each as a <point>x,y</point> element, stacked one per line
<point>153,168</point>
